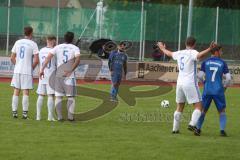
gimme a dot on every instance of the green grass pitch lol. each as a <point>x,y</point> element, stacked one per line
<point>118,135</point>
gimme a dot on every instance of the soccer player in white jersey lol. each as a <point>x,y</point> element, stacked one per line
<point>25,58</point>
<point>187,89</point>
<point>68,58</point>
<point>44,87</point>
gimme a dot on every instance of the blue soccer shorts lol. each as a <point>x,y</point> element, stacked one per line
<point>116,78</point>
<point>219,101</point>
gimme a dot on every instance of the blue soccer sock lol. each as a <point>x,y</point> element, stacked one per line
<point>201,120</point>
<point>116,89</point>
<point>113,92</point>
<point>223,120</point>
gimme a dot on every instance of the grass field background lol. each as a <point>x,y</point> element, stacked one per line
<point>115,135</point>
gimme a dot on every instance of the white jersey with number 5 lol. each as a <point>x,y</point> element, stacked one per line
<point>187,65</point>
<point>51,67</point>
<point>65,54</point>
<point>24,49</point>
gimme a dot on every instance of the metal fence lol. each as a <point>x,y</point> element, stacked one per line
<point>144,24</point>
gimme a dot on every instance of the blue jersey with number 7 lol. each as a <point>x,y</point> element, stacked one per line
<point>214,69</point>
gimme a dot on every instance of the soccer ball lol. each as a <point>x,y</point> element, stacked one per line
<point>165,103</point>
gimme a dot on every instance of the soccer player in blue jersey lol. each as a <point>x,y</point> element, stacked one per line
<point>117,63</point>
<point>213,70</point>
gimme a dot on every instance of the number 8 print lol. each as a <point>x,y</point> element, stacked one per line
<point>22,51</point>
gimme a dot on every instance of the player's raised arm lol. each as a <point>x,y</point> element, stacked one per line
<point>13,58</point>
<point>162,47</point>
<point>206,51</point>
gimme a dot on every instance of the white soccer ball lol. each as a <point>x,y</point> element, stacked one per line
<point>165,103</point>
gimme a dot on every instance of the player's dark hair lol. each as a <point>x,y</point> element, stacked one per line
<point>68,37</point>
<point>191,41</point>
<point>216,48</point>
<point>51,37</point>
<point>28,30</point>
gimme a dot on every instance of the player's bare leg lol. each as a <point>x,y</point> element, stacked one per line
<point>25,103</point>
<point>195,117</point>
<point>177,117</point>
<point>50,104</point>
<point>71,108</point>
<point>39,106</point>
<point>16,93</point>
<point>58,105</point>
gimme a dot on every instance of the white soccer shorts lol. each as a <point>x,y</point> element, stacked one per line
<point>65,87</point>
<point>188,93</point>
<point>22,81</point>
<point>45,89</point>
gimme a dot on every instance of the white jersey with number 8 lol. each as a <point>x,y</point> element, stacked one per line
<point>65,54</point>
<point>24,49</point>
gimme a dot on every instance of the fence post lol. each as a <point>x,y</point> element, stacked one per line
<point>180,27</point>
<point>217,19</point>
<point>58,16</point>
<point>141,32</point>
<point>144,35</point>
<point>8,25</point>
<point>190,13</point>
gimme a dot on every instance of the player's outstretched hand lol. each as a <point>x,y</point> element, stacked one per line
<point>41,74</point>
<point>161,45</point>
<point>67,73</point>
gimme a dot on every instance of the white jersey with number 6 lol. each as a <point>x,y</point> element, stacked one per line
<point>51,66</point>
<point>65,54</point>
<point>24,49</point>
<point>187,65</point>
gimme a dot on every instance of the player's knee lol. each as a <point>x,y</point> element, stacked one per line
<point>204,112</point>
<point>50,97</point>
<point>26,92</point>
<point>16,92</point>
<point>40,97</point>
<point>180,107</point>
<point>198,106</point>
<point>222,111</point>
<point>58,99</point>
<point>71,98</point>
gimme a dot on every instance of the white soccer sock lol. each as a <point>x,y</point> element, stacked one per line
<point>195,117</point>
<point>58,105</point>
<point>39,106</point>
<point>70,107</point>
<point>14,103</point>
<point>176,120</point>
<point>50,105</point>
<point>25,103</point>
